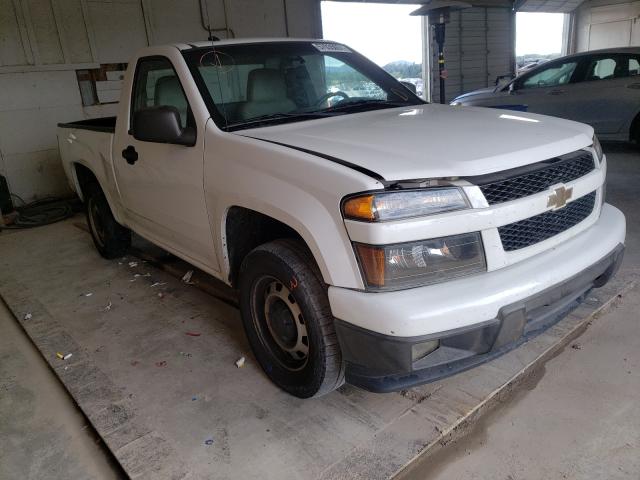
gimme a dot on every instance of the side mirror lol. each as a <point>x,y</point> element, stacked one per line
<point>411,87</point>
<point>161,125</point>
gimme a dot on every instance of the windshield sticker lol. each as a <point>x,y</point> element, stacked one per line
<point>331,48</point>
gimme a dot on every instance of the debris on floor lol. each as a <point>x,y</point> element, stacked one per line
<point>163,363</point>
<point>158,284</point>
<point>160,295</point>
<point>28,316</point>
<point>193,334</point>
<point>88,294</point>
<point>208,441</point>
<point>133,264</point>
<point>187,277</point>
<point>185,354</point>
<point>576,346</point>
<point>108,307</point>
<point>240,362</point>
<point>62,356</point>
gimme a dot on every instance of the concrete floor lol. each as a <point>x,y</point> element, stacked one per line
<point>42,432</point>
<point>352,434</point>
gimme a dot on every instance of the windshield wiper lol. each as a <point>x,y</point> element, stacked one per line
<point>358,105</point>
<point>278,118</point>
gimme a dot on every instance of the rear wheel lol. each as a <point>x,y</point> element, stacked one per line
<point>288,321</point>
<point>110,238</point>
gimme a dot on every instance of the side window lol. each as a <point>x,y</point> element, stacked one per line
<point>603,68</point>
<point>634,66</point>
<point>157,84</point>
<point>551,76</point>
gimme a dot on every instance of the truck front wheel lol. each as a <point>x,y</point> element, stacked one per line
<point>110,238</point>
<point>288,321</point>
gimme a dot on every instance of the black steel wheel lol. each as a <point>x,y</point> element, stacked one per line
<point>110,238</point>
<point>287,318</point>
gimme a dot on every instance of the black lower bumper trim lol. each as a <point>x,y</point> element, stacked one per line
<point>383,363</point>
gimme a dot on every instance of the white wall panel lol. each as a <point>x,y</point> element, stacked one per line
<point>33,90</point>
<point>607,24</point>
<point>43,32</point>
<point>12,47</point>
<point>118,29</point>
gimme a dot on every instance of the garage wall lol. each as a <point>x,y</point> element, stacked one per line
<point>479,46</point>
<point>43,43</point>
<point>607,23</point>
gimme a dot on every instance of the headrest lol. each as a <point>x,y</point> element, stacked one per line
<point>266,84</point>
<point>169,92</point>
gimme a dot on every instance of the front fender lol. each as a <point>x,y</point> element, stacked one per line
<point>296,188</point>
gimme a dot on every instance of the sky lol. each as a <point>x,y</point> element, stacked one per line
<point>374,30</point>
<point>538,33</point>
<point>377,30</point>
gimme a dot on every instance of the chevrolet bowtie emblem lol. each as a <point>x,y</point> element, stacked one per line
<point>559,197</point>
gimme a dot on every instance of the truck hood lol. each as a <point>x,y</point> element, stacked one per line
<point>432,141</point>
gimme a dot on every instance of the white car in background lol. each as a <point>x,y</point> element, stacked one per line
<point>601,88</point>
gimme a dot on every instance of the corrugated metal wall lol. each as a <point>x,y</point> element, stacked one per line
<point>479,46</point>
<point>44,42</point>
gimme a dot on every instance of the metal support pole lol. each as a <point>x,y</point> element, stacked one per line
<point>442,73</point>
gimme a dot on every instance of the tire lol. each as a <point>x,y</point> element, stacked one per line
<point>111,239</point>
<point>283,300</point>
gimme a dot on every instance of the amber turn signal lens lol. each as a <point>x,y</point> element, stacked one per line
<point>359,208</point>
<point>372,262</point>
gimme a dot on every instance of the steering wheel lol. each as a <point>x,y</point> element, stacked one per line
<point>329,95</point>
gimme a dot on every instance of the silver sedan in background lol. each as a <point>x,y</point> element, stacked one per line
<point>600,87</point>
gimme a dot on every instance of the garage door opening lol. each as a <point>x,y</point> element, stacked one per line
<point>538,38</point>
<point>385,34</point>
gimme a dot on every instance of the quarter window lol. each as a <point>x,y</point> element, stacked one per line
<point>157,84</point>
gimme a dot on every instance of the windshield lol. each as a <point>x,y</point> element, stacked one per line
<point>259,84</point>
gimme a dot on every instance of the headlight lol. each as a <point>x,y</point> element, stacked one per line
<point>378,207</point>
<point>405,265</point>
<point>597,147</point>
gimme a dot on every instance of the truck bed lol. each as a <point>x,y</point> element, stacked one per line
<point>103,124</point>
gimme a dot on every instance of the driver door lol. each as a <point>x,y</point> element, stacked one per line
<point>161,184</point>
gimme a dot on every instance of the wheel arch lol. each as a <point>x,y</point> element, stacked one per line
<point>245,229</point>
<point>83,175</point>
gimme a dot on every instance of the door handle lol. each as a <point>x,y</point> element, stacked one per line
<point>130,155</point>
<point>556,92</point>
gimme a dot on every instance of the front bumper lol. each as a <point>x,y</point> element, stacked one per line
<point>382,361</point>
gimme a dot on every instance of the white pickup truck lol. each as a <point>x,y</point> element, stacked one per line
<point>374,238</point>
